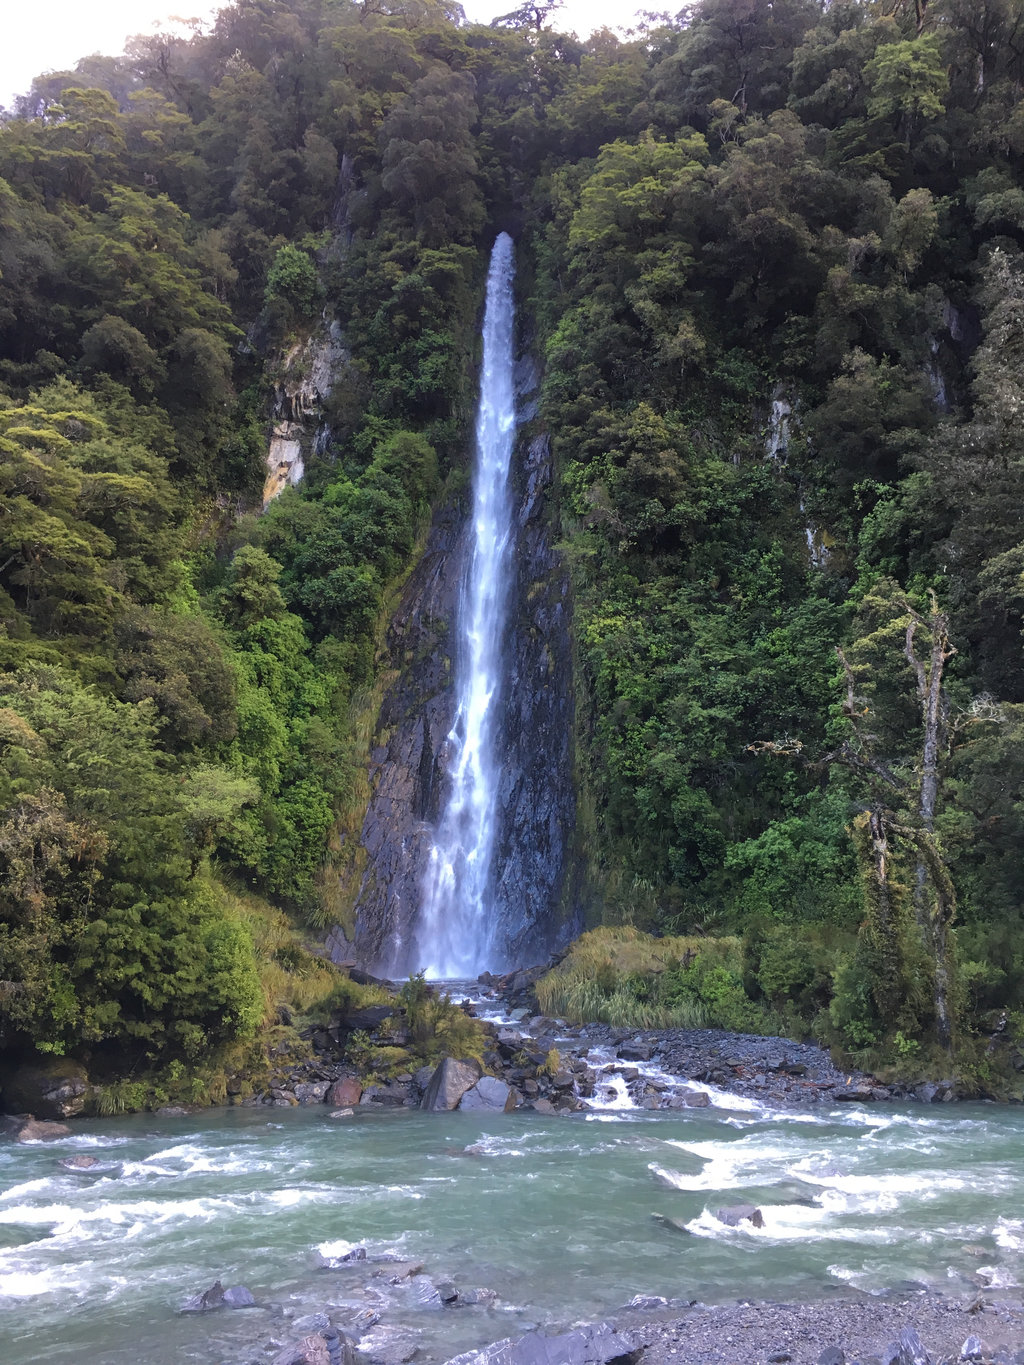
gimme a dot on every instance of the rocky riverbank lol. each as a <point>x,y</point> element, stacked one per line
<point>924,1329</point>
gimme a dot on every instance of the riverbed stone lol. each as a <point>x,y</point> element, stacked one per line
<point>449,1083</point>
<point>697,1099</point>
<point>344,1092</point>
<point>599,1345</point>
<point>311,1350</point>
<point>78,1163</point>
<point>635,1052</point>
<point>310,1092</point>
<point>206,1301</point>
<point>239,1297</point>
<point>736,1214</point>
<point>42,1130</point>
<point>491,1094</point>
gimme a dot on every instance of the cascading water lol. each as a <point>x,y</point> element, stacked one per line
<point>455,936</point>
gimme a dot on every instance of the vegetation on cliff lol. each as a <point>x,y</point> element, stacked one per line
<point>772,256</point>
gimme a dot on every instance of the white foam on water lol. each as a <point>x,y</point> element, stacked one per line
<point>31,1187</point>
<point>1009,1234</point>
<point>23,1284</point>
<point>336,1249</point>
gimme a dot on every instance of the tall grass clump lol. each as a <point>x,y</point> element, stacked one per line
<point>622,976</point>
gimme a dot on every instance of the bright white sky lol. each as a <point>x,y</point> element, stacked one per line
<point>51,35</point>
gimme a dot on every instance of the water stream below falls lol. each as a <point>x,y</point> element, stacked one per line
<point>558,1216</point>
<point>454,936</point>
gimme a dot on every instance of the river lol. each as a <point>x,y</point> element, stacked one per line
<point>557,1215</point>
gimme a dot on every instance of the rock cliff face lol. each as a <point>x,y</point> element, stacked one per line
<point>309,370</point>
<point>533,891</point>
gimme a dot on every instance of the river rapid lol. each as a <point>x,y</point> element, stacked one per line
<point>559,1216</point>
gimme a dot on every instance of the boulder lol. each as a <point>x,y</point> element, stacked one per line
<point>740,1213</point>
<point>635,1052</point>
<point>832,1355</point>
<point>41,1130</point>
<point>207,1300</point>
<point>697,1099</point>
<point>489,1093</point>
<point>78,1163</point>
<point>543,1107</point>
<point>449,1083</point>
<point>974,1349</point>
<point>310,1092</point>
<point>911,1349</point>
<point>311,1350</point>
<point>478,1295</point>
<point>370,1018</point>
<point>57,1089</point>
<point>600,1345</point>
<point>239,1297</point>
<point>341,1114</point>
<point>447,1292</point>
<point>855,1094</point>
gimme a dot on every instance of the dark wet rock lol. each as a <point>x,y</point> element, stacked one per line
<point>345,1091</point>
<point>397,1271</point>
<point>206,1301</point>
<point>855,1094</point>
<point>676,1224</point>
<point>449,1083</point>
<point>489,1093</point>
<point>387,1345</point>
<point>600,1345</point>
<point>78,1163</point>
<point>422,1077</point>
<point>57,1089</point>
<point>446,1291</point>
<point>635,1052</point>
<point>740,1213</point>
<point>779,1358</point>
<point>390,1096</point>
<point>239,1297</point>
<point>41,1130</point>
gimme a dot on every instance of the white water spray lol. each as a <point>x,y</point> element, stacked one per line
<point>455,934</point>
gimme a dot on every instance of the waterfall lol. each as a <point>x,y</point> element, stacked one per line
<point>455,934</point>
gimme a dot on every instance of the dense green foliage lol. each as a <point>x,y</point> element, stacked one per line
<point>771,253</point>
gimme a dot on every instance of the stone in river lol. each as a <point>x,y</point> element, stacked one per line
<point>447,1292</point>
<point>341,1114</point>
<point>634,1052</point>
<point>543,1107</point>
<point>239,1297</point>
<point>42,1130</point>
<point>697,1099</point>
<point>489,1093</point>
<point>740,1213</point>
<point>311,1350</point>
<point>397,1271</point>
<point>449,1083</point>
<point>478,1295</point>
<point>343,1093</point>
<point>204,1302</point>
<point>79,1163</point>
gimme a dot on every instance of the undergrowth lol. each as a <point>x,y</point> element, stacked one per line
<point>622,976</point>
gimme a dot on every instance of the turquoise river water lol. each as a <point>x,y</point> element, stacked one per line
<point>557,1215</point>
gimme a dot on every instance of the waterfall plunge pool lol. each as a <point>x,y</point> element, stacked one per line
<point>558,1216</point>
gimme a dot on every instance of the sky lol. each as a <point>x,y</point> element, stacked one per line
<point>51,35</point>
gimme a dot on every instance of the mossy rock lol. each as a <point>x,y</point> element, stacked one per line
<point>55,1089</point>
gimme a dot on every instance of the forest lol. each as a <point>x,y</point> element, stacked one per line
<point>770,262</point>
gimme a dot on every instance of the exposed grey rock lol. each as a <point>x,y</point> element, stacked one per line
<point>740,1213</point>
<point>974,1349</point>
<point>478,1295</point>
<point>41,1130</point>
<point>311,1092</point>
<point>697,1099</point>
<point>911,1349</point>
<point>489,1093</point>
<point>239,1297</point>
<point>311,1350</point>
<point>635,1052</point>
<point>832,1355</point>
<point>600,1345</point>
<point>447,1292</point>
<point>449,1083</point>
<point>78,1163</point>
